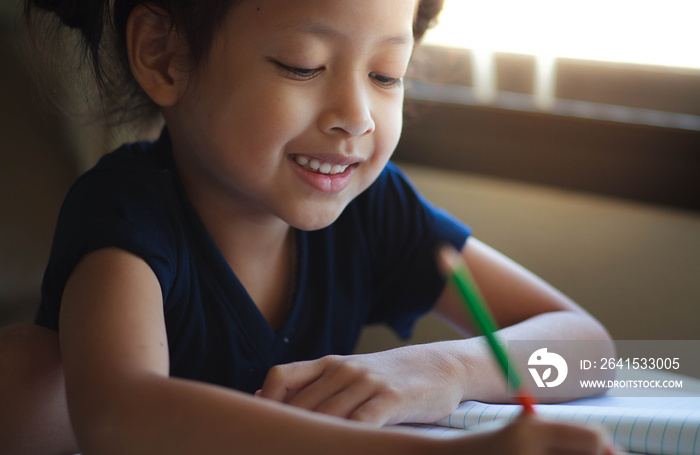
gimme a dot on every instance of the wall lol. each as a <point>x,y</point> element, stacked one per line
<point>635,267</point>
<point>35,174</point>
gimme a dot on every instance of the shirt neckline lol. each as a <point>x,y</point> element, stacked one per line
<point>262,337</point>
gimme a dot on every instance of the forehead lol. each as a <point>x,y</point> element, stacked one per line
<point>380,21</point>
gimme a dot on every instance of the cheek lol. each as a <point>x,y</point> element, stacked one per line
<point>398,123</point>
<point>390,131</point>
<point>266,121</point>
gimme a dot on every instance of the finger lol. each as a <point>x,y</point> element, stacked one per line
<point>347,400</point>
<point>378,410</point>
<point>283,380</point>
<point>331,383</point>
<point>574,439</point>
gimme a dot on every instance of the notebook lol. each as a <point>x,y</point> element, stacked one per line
<point>653,425</point>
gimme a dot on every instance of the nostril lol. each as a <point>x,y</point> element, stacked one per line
<point>348,112</point>
<point>355,131</point>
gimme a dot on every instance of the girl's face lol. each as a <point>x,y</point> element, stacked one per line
<point>298,107</point>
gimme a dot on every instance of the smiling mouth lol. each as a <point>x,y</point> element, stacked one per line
<point>320,167</point>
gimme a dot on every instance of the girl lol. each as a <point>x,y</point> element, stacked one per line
<point>208,288</point>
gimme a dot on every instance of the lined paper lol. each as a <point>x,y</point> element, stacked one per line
<point>654,426</point>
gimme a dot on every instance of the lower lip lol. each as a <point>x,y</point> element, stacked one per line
<point>325,183</point>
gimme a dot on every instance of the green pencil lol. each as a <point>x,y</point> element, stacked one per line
<point>458,275</point>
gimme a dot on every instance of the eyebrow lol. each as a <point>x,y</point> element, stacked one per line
<point>318,29</point>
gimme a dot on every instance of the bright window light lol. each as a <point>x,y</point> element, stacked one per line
<point>658,32</point>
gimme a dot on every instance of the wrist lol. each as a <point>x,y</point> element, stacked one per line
<point>448,361</point>
<point>468,365</point>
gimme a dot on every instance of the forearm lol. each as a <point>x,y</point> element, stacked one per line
<point>164,415</point>
<point>481,377</point>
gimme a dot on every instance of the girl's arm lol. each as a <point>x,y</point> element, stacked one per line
<point>426,382</point>
<point>525,306</point>
<point>513,294</point>
<point>121,400</point>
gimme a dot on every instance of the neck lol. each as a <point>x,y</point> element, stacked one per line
<point>258,246</point>
<point>238,225</point>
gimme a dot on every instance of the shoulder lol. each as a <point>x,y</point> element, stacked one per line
<point>133,173</point>
<point>394,203</point>
<point>132,189</point>
<point>130,201</point>
<point>393,219</point>
<point>391,182</point>
<point>390,196</point>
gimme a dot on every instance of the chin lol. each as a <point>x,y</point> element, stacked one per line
<point>312,225</point>
<point>313,221</point>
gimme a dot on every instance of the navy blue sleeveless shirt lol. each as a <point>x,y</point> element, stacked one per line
<point>374,264</point>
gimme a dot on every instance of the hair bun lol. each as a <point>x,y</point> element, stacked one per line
<point>73,13</point>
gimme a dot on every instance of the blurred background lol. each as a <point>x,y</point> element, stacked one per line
<point>567,134</point>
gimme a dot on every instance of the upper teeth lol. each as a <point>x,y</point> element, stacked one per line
<point>318,166</point>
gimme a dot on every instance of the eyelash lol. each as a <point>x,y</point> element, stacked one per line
<point>298,73</point>
<point>386,81</point>
<point>305,74</point>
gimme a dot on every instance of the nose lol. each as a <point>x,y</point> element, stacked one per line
<point>347,109</point>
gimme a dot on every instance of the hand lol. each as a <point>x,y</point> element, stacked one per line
<point>530,435</point>
<point>400,385</point>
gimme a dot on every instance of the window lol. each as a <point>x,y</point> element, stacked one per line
<point>602,95</point>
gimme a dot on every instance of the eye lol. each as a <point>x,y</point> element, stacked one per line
<point>386,81</point>
<point>300,74</point>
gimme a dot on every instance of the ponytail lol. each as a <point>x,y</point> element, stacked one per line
<point>100,25</point>
<point>100,46</point>
<point>85,16</point>
<point>72,13</point>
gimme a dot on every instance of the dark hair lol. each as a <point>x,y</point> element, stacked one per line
<point>102,34</point>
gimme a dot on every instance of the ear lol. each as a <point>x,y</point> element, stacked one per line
<point>155,50</point>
